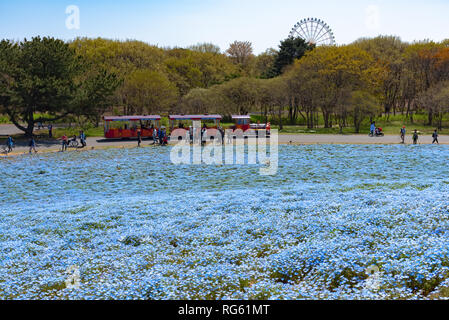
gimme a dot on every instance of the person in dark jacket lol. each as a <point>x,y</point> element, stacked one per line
<point>435,137</point>
<point>83,139</point>
<point>32,145</point>
<point>9,144</point>
<point>403,132</point>
<point>139,138</point>
<point>415,137</point>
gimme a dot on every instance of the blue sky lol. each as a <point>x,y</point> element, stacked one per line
<point>185,22</point>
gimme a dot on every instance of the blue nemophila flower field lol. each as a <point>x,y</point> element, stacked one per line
<point>138,227</point>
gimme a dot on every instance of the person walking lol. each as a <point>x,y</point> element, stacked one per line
<point>403,132</point>
<point>435,137</point>
<point>50,131</point>
<point>161,136</point>
<point>83,139</point>
<point>372,129</point>
<point>139,138</point>
<point>155,136</point>
<point>32,145</point>
<point>9,144</point>
<point>65,142</point>
<point>415,137</point>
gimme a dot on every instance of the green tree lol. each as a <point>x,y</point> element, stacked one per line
<point>326,76</point>
<point>290,50</point>
<point>96,94</point>
<point>277,99</point>
<point>191,69</point>
<point>422,71</point>
<point>148,92</point>
<point>120,57</point>
<point>205,48</point>
<point>200,101</point>
<point>388,52</point>
<point>264,64</point>
<point>241,95</point>
<point>362,105</point>
<point>37,76</point>
<point>436,101</point>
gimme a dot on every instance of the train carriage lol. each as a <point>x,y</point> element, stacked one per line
<point>243,122</point>
<point>127,127</point>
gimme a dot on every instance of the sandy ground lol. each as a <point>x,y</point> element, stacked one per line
<point>297,139</point>
<point>354,139</point>
<point>100,143</point>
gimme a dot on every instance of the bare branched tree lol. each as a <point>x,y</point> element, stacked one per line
<point>240,52</point>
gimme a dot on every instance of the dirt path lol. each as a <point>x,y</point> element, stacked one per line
<point>6,129</point>
<point>45,146</point>
<point>354,139</point>
<point>297,139</point>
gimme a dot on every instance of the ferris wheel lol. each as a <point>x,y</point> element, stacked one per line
<point>314,31</point>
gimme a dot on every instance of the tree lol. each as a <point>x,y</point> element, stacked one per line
<point>436,101</point>
<point>307,91</point>
<point>422,71</point>
<point>205,48</point>
<point>264,64</point>
<point>363,104</point>
<point>184,72</point>
<point>290,50</point>
<point>241,95</point>
<point>37,76</point>
<point>148,92</point>
<point>8,55</point>
<point>388,52</point>
<point>277,97</point>
<point>241,52</point>
<point>190,69</point>
<point>200,101</point>
<point>96,94</point>
<point>120,57</point>
<point>326,76</point>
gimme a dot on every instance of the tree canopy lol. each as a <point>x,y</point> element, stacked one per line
<point>332,85</point>
<point>43,76</point>
<point>290,50</point>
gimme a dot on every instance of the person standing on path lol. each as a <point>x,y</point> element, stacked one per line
<point>161,137</point>
<point>139,138</point>
<point>415,137</point>
<point>403,132</point>
<point>83,139</point>
<point>373,128</point>
<point>10,143</point>
<point>435,137</point>
<point>155,137</point>
<point>50,131</point>
<point>32,145</point>
<point>65,143</point>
